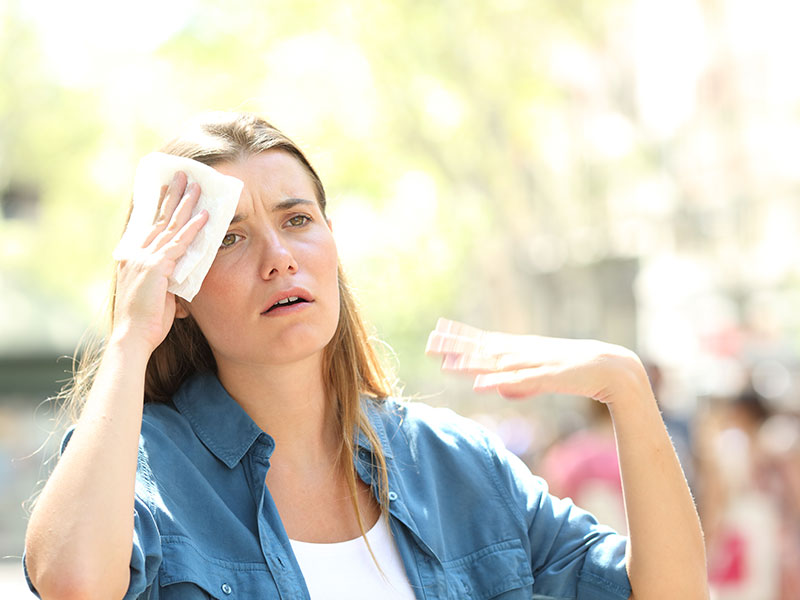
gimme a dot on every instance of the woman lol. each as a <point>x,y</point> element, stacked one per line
<point>267,376</point>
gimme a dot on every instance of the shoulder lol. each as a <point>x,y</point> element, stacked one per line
<point>161,424</point>
<point>162,421</point>
<point>445,466</point>
<point>437,426</point>
<point>442,444</point>
<point>169,450</point>
<point>164,431</point>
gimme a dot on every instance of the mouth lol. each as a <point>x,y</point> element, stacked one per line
<point>286,302</point>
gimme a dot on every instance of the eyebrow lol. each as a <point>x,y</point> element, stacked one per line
<point>278,207</point>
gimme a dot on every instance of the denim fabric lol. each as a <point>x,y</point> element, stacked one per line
<point>468,517</point>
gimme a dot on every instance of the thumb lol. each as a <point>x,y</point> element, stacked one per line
<point>515,384</point>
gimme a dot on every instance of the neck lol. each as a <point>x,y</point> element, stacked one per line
<point>290,403</point>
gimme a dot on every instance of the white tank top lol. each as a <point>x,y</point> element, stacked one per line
<point>346,569</point>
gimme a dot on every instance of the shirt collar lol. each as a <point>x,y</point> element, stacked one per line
<point>228,431</point>
<point>217,419</point>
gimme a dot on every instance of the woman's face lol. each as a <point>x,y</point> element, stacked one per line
<point>271,295</point>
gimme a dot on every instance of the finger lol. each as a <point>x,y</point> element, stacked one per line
<point>455,337</point>
<point>166,206</point>
<point>178,244</point>
<point>523,383</point>
<point>175,193</point>
<point>477,363</point>
<point>162,194</point>
<point>457,328</point>
<point>447,343</point>
<point>470,363</point>
<point>520,383</point>
<point>479,352</point>
<point>181,215</point>
<point>185,207</point>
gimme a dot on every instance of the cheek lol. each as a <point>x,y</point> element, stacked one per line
<point>331,278</point>
<point>332,269</point>
<point>215,298</point>
<point>331,254</point>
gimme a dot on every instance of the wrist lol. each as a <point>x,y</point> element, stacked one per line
<point>631,386</point>
<point>133,349</point>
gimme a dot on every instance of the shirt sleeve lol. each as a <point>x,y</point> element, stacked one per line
<point>145,557</point>
<point>28,578</point>
<point>572,555</point>
<point>146,552</point>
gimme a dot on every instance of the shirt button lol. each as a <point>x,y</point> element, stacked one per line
<point>392,496</point>
<point>226,589</point>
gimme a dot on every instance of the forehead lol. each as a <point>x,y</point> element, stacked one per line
<point>274,173</point>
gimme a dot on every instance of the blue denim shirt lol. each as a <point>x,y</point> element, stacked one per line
<point>468,517</point>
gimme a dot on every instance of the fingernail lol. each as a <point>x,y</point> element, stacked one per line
<point>451,361</point>
<point>431,347</point>
<point>480,383</point>
<point>485,381</point>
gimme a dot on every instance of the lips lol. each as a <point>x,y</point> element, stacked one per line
<point>287,298</point>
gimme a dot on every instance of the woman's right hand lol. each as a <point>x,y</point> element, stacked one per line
<point>143,308</point>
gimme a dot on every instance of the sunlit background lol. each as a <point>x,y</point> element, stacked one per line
<point>618,169</point>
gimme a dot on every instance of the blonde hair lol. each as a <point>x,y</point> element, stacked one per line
<point>351,367</point>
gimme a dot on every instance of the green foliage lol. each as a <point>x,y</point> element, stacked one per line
<point>377,92</point>
<point>467,147</point>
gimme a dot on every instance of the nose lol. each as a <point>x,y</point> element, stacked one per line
<point>276,257</point>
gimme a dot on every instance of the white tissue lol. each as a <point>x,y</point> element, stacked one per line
<point>219,195</point>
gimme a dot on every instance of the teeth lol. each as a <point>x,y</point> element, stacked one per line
<point>286,301</point>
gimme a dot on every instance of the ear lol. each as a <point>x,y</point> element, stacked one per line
<point>181,311</point>
<point>330,224</point>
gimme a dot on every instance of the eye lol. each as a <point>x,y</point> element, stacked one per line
<point>299,220</point>
<point>229,240</point>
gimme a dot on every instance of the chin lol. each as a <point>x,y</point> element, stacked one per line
<point>295,351</point>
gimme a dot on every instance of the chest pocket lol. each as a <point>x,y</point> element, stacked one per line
<point>187,574</point>
<point>501,570</point>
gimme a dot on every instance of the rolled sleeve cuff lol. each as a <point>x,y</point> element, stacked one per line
<point>605,575</point>
<point>28,578</point>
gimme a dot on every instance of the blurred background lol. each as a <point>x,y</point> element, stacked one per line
<point>617,169</point>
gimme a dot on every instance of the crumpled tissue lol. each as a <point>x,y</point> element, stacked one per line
<point>219,195</point>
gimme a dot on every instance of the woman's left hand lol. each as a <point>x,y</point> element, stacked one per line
<point>519,366</point>
<point>659,507</point>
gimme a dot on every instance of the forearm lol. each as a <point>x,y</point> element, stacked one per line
<point>80,534</point>
<point>666,557</point>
